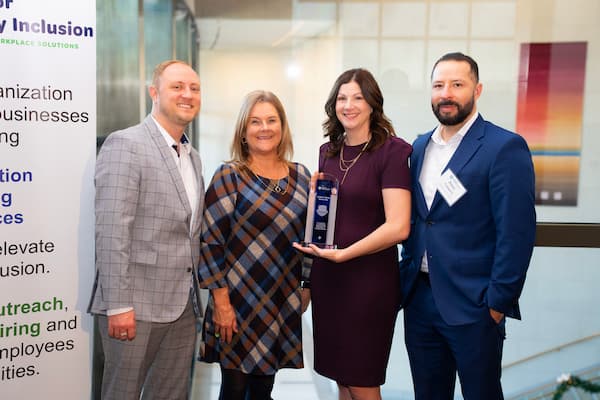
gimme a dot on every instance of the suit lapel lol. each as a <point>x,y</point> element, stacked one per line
<point>419,147</point>
<point>468,147</point>
<point>165,152</point>
<point>465,151</point>
<point>197,164</point>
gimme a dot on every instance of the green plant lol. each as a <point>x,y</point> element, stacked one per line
<point>566,381</point>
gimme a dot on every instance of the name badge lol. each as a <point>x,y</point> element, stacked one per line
<point>450,187</point>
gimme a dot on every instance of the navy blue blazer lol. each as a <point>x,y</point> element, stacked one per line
<point>480,247</point>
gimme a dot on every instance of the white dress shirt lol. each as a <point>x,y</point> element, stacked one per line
<point>183,159</point>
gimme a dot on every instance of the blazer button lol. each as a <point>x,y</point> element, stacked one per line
<point>189,269</point>
<point>429,223</point>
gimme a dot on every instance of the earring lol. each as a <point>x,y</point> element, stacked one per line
<point>244,141</point>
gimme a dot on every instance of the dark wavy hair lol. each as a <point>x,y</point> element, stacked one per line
<point>380,125</point>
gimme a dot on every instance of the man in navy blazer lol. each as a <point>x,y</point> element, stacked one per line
<point>473,228</point>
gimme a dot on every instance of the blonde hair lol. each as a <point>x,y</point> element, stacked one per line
<point>239,150</point>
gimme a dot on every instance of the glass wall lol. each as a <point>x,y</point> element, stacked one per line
<point>298,52</point>
<point>158,37</point>
<point>118,83</point>
<point>133,37</point>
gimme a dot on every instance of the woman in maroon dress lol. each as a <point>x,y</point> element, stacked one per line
<point>355,288</point>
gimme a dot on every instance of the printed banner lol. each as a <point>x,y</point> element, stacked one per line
<point>47,156</point>
<point>549,116</point>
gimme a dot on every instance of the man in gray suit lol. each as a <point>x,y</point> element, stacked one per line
<point>149,200</point>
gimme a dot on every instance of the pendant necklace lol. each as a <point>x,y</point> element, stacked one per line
<point>273,187</point>
<point>345,165</point>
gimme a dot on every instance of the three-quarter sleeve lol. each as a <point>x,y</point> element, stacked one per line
<point>219,206</point>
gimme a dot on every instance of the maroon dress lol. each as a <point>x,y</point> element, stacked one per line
<point>355,303</point>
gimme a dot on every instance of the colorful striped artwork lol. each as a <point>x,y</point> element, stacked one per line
<point>550,114</point>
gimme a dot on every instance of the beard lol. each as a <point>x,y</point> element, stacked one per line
<point>463,111</point>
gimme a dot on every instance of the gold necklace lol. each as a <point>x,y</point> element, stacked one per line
<point>345,165</point>
<point>273,187</point>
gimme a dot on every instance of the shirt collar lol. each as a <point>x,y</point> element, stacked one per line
<point>437,136</point>
<point>184,143</point>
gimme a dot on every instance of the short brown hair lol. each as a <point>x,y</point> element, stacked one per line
<point>160,68</point>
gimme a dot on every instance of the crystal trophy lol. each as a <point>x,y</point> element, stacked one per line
<point>322,207</point>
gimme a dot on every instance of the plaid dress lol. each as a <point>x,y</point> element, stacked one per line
<point>246,245</point>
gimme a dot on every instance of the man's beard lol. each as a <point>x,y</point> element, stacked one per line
<point>461,114</point>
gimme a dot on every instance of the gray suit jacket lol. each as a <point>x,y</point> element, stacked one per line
<point>146,257</point>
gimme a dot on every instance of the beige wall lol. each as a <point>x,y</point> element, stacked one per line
<point>398,41</point>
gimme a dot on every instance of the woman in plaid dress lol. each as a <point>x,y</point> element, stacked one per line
<point>255,210</point>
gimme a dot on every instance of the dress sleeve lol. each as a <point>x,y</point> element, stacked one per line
<point>219,207</point>
<point>322,155</point>
<point>394,164</point>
